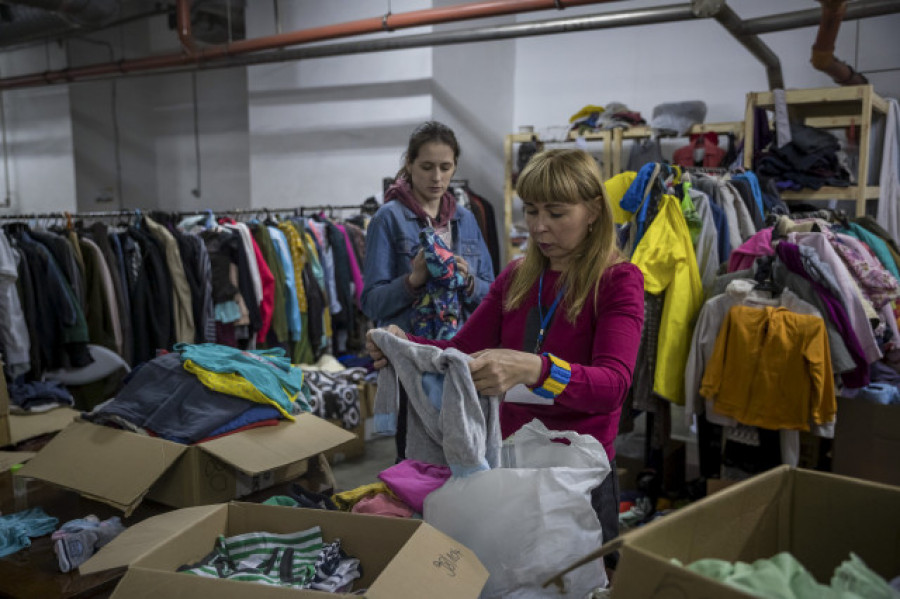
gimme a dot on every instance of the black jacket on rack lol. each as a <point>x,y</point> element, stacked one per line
<point>151,297</point>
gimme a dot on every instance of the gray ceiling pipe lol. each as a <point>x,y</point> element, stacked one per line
<point>732,23</point>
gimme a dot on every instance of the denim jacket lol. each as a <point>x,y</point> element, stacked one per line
<point>392,241</point>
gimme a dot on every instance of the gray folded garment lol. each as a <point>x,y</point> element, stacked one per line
<point>678,117</point>
<point>447,421</point>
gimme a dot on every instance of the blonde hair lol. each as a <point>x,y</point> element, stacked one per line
<point>570,177</point>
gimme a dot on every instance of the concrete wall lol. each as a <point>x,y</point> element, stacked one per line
<point>39,144</point>
<point>326,131</point>
<point>645,66</point>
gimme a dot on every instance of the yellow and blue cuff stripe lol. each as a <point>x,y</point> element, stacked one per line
<point>556,380</point>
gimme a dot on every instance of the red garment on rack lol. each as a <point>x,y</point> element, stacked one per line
<point>712,153</point>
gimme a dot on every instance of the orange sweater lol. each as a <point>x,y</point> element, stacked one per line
<point>771,368</point>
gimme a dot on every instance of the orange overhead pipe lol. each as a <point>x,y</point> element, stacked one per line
<point>194,54</point>
<point>183,24</point>
<point>823,58</point>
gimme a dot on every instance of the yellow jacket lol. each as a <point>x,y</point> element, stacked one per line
<point>615,190</point>
<point>771,368</point>
<point>666,256</point>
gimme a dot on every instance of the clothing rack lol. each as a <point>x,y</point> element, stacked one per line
<point>706,170</point>
<point>332,207</point>
<point>47,215</point>
<point>298,211</point>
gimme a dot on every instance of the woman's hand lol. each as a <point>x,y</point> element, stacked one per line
<point>494,371</point>
<point>462,267</point>
<point>375,352</point>
<point>419,274</point>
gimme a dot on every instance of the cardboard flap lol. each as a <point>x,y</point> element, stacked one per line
<point>265,448</point>
<point>27,426</point>
<point>605,549</point>
<point>431,560</point>
<point>113,466</point>
<point>648,575</point>
<point>145,536</point>
<point>9,459</point>
<point>139,583</point>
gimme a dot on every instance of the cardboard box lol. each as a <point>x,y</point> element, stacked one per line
<point>367,396</point>
<point>352,449</point>
<point>867,441</point>
<point>714,485</point>
<point>15,428</point>
<point>356,447</point>
<point>367,410</point>
<point>8,459</point>
<point>120,468</point>
<point>400,557</point>
<point>818,517</point>
<point>21,427</point>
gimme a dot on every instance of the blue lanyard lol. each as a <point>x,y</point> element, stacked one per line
<point>545,320</point>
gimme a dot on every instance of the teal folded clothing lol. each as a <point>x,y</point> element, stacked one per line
<point>17,530</point>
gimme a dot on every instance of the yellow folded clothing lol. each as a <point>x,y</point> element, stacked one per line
<point>586,112</point>
<point>346,500</point>
<point>234,384</point>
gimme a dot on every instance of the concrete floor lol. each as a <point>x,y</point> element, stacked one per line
<point>381,453</point>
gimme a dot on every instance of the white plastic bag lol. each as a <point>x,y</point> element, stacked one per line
<point>531,518</point>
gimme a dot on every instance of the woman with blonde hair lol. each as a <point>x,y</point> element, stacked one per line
<point>557,334</point>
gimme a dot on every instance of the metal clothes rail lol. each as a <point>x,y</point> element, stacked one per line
<point>296,211</point>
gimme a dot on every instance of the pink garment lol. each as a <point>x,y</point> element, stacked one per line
<point>412,481</point>
<point>381,504</point>
<point>846,287</point>
<point>601,345</point>
<point>267,305</point>
<point>759,245</point>
<point>354,265</point>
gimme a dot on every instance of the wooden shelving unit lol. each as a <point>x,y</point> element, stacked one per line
<point>509,190</point>
<point>826,108</point>
<point>644,132</point>
<point>613,142</point>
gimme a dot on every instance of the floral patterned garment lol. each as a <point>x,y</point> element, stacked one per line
<point>437,313</point>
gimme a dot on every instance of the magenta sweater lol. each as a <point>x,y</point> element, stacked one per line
<point>601,346</point>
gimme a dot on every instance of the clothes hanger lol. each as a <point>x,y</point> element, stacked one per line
<point>763,275</point>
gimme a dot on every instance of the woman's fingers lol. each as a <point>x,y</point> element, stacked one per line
<point>483,373</point>
<point>462,266</point>
<point>395,331</point>
<point>378,358</point>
